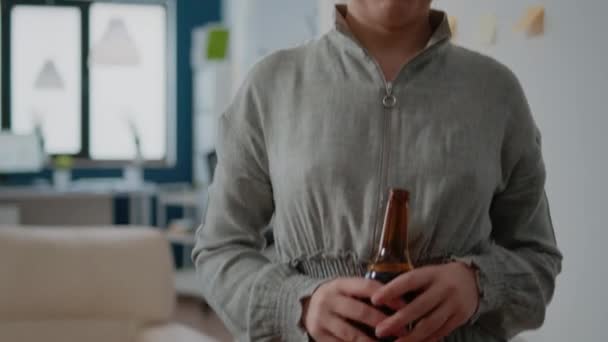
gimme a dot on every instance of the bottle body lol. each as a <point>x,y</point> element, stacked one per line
<point>391,258</point>
<point>385,273</point>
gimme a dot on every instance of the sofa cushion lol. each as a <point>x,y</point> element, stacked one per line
<point>68,331</point>
<point>104,273</point>
<point>172,332</point>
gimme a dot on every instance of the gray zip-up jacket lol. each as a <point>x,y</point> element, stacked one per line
<point>316,137</point>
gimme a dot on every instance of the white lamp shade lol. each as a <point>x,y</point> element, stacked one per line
<point>48,77</point>
<point>116,46</point>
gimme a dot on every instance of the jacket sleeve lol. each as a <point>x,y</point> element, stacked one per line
<point>518,268</point>
<point>257,300</point>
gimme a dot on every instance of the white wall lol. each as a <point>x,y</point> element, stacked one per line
<point>564,74</point>
<point>326,13</point>
<point>260,27</point>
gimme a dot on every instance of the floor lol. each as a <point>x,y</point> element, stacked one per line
<point>193,313</point>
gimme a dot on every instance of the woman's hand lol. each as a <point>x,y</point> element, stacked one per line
<point>328,313</point>
<point>447,297</point>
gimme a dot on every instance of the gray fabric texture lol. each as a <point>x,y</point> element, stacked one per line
<point>309,140</point>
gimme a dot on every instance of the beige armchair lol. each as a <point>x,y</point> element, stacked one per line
<point>87,284</point>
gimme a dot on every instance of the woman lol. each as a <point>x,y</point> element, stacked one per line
<point>318,134</point>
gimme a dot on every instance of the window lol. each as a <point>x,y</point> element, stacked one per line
<point>128,57</point>
<point>46,81</point>
<point>91,75</point>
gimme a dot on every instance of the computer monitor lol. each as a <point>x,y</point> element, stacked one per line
<point>20,153</point>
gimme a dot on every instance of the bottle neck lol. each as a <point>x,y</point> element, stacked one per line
<point>393,247</point>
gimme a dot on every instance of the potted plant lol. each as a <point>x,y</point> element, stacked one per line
<point>62,171</point>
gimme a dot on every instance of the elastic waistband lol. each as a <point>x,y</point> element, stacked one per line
<point>323,266</point>
<point>331,266</point>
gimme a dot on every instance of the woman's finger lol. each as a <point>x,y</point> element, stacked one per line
<point>409,282</point>
<point>357,287</point>
<point>340,329</point>
<point>447,328</point>
<point>396,304</point>
<point>327,337</point>
<point>430,325</point>
<point>357,311</point>
<point>422,305</point>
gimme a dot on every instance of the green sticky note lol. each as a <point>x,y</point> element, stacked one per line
<point>217,46</point>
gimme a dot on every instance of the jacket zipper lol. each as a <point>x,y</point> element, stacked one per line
<point>388,102</point>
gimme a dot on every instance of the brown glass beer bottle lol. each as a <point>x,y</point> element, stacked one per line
<point>392,255</point>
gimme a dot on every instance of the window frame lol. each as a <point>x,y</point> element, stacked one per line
<point>83,158</point>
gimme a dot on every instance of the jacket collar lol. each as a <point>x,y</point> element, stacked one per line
<point>439,23</point>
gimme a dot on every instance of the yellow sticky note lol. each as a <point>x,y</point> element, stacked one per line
<point>487,29</point>
<point>533,22</point>
<point>453,21</point>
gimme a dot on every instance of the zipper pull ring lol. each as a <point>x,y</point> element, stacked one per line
<point>389,100</point>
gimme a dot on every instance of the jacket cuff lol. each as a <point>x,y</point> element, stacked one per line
<point>490,283</point>
<point>275,309</point>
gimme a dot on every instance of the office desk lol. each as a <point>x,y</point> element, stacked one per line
<point>80,204</point>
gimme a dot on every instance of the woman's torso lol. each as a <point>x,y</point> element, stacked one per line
<point>334,150</point>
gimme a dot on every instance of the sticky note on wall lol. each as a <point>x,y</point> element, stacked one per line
<point>217,44</point>
<point>487,29</point>
<point>533,22</point>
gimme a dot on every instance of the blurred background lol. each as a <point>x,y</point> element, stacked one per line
<point>108,113</point>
